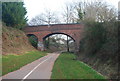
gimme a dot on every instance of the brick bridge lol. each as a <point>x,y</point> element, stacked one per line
<point>43,31</point>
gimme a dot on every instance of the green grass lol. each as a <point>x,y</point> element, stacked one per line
<point>13,62</point>
<point>67,68</point>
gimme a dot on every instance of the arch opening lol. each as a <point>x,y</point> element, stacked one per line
<point>59,42</point>
<point>33,40</point>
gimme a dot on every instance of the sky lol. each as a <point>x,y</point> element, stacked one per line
<point>35,7</point>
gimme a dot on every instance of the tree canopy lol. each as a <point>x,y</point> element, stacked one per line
<point>13,14</point>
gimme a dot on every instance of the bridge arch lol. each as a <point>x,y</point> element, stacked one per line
<point>69,43</point>
<point>58,33</point>
<point>33,39</point>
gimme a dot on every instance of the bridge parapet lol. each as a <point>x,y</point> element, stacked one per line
<point>53,27</point>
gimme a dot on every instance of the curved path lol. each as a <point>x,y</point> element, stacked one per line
<point>39,69</point>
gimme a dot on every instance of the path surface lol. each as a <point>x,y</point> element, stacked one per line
<point>39,69</point>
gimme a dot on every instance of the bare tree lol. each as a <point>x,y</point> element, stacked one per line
<point>99,11</point>
<point>51,17</point>
<point>69,14</point>
<point>38,20</point>
<point>45,18</point>
<point>95,10</point>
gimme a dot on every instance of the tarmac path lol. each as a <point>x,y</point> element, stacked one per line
<point>39,69</point>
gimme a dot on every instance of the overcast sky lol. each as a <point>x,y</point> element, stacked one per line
<point>35,7</point>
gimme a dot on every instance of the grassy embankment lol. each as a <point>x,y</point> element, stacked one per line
<point>16,50</point>
<point>67,68</point>
<point>13,62</point>
<point>15,41</point>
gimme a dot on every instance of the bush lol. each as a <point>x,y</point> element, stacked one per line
<point>94,38</point>
<point>33,40</point>
<point>99,47</point>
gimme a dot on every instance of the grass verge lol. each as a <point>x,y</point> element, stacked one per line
<point>66,67</point>
<point>13,62</point>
